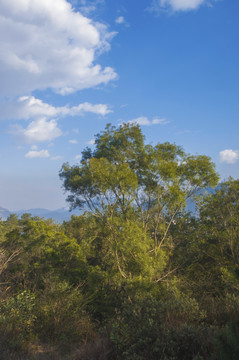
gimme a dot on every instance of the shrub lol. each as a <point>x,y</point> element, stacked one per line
<point>17,318</point>
<point>227,343</point>
<point>61,316</point>
<point>148,331</point>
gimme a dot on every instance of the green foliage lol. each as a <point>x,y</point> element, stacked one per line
<point>134,191</point>
<point>17,318</point>
<point>217,246</point>
<point>61,316</point>
<point>124,174</point>
<point>44,250</point>
<point>155,328</point>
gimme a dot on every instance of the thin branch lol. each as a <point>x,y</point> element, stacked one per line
<point>169,224</point>
<point>163,277</point>
<point>118,265</point>
<point>4,262</point>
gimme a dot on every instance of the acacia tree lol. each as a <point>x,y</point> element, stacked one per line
<point>135,190</point>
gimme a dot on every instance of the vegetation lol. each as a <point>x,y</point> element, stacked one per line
<point>135,276</point>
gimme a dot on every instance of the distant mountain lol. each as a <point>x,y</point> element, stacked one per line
<point>4,213</point>
<point>58,215</point>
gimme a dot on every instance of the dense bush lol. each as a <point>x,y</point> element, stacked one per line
<point>17,320</point>
<point>166,328</point>
<point>61,316</point>
<point>227,342</point>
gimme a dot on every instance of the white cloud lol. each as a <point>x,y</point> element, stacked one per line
<point>178,5</point>
<point>144,121</point>
<point>100,109</point>
<point>229,156</point>
<point>120,20</point>
<point>37,154</point>
<point>40,130</point>
<point>28,107</point>
<point>46,44</point>
<point>91,142</point>
<point>73,141</point>
<point>161,121</point>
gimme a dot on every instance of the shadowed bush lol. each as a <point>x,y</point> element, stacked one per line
<point>61,316</point>
<point>227,343</point>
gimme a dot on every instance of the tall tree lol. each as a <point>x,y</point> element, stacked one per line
<point>136,191</point>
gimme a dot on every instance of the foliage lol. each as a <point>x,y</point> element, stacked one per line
<point>134,191</point>
<point>135,276</point>
<point>17,317</point>
<point>167,328</point>
<point>44,250</point>
<point>61,316</point>
<point>206,252</point>
<point>227,342</point>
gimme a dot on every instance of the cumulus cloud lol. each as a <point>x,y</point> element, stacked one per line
<point>40,130</point>
<point>28,107</point>
<point>144,121</point>
<point>178,5</point>
<point>47,44</point>
<point>37,154</point>
<point>229,156</point>
<point>91,142</point>
<point>73,141</point>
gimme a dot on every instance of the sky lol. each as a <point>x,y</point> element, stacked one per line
<point>68,68</point>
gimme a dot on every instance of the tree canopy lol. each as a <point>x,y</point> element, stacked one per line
<point>124,176</point>
<point>137,190</point>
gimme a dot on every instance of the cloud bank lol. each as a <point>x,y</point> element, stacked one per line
<point>46,44</point>
<point>42,127</point>
<point>28,107</point>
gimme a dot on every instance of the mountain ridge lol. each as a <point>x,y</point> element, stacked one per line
<point>58,215</point>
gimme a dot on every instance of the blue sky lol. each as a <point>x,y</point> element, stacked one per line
<point>68,68</point>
